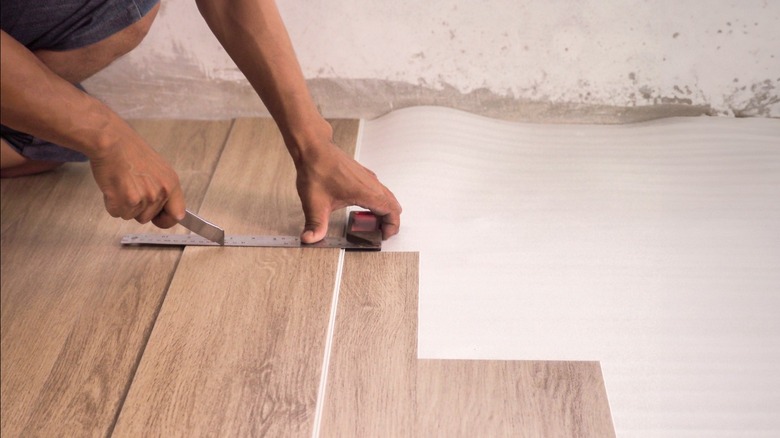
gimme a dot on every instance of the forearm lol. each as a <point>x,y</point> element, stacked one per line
<point>37,101</point>
<point>254,36</point>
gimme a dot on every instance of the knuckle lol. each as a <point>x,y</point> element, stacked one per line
<point>111,207</point>
<point>385,203</point>
<point>133,200</point>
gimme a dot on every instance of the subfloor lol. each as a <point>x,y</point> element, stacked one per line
<point>103,340</point>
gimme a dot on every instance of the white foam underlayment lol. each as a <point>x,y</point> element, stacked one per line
<point>653,248</point>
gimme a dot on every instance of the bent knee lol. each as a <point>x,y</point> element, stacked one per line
<point>126,39</point>
<point>130,37</point>
<point>79,64</point>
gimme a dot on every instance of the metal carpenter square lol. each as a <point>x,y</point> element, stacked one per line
<point>363,234</point>
<point>251,241</point>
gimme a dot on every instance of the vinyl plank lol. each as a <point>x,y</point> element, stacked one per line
<point>76,307</point>
<point>371,378</point>
<point>238,345</point>
<point>378,387</point>
<point>465,398</point>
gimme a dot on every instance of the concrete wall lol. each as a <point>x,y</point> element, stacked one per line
<point>559,60</point>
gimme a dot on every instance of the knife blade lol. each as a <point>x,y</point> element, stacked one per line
<point>202,227</point>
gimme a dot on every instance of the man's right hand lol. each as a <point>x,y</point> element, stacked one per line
<point>138,184</point>
<point>135,180</point>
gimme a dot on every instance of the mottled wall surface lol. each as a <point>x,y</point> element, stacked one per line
<point>562,60</point>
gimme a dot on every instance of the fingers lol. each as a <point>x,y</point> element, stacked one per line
<point>152,208</point>
<point>391,223</point>
<point>124,204</point>
<point>390,214</point>
<point>146,199</point>
<point>387,208</point>
<point>167,210</point>
<point>172,212</point>
<point>164,220</point>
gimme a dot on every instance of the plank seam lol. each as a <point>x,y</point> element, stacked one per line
<point>148,334</point>
<point>142,350</point>
<point>328,346</point>
<point>216,162</point>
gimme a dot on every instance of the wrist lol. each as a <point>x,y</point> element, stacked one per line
<point>104,133</point>
<point>306,137</point>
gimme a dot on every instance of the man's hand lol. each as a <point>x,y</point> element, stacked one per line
<point>328,179</point>
<point>253,34</point>
<point>138,184</point>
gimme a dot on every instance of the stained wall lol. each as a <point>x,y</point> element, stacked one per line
<point>561,60</point>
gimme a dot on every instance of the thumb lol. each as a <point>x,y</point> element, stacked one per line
<point>316,225</point>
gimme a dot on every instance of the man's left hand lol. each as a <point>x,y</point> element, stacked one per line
<point>328,179</point>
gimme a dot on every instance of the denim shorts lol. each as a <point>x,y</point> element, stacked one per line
<point>63,25</point>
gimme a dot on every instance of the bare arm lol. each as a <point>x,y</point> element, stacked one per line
<point>254,36</point>
<point>135,181</point>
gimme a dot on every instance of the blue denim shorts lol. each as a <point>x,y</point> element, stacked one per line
<point>63,25</point>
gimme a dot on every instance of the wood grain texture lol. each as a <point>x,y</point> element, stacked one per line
<point>238,343</point>
<point>253,191</point>
<point>237,348</point>
<point>371,382</point>
<point>76,307</point>
<point>377,387</point>
<point>466,398</point>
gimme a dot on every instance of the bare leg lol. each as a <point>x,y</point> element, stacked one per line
<point>75,66</point>
<point>12,164</point>
<point>79,64</point>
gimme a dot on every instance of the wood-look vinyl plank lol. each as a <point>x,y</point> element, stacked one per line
<point>466,398</point>
<point>371,382</point>
<point>76,307</point>
<point>378,387</point>
<point>238,345</point>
